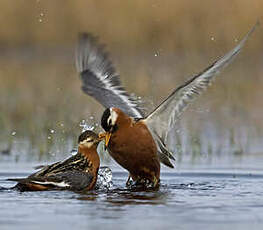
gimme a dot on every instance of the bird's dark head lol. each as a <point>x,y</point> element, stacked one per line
<point>88,139</point>
<point>109,120</point>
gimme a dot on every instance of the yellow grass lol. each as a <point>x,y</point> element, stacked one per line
<point>155,45</point>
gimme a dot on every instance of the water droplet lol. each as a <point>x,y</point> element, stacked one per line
<point>40,20</point>
<point>104,178</point>
<point>41,14</point>
<point>52,130</point>
<point>85,126</point>
<point>13,133</point>
<point>49,137</point>
<point>74,152</point>
<point>156,54</point>
<point>62,125</point>
<point>212,38</point>
<point>91,117</point>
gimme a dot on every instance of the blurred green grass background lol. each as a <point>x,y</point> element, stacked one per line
<point>155,45</point>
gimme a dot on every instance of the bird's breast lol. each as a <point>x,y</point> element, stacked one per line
<point>134,148</point>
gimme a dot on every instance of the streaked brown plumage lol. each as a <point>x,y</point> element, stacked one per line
<point>78,173</point>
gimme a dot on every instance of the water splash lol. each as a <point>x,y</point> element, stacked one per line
<point>104,180</point>
<point>73,152</point>
<point>85,126</point>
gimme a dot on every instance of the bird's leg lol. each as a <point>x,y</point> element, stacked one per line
<point>128,182</point>
<point>156,182</point>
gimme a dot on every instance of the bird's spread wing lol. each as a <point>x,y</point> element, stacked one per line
<point>163,118</point>
<point>99,78</point>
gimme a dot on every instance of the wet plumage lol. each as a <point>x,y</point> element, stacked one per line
<point>127,141</point>
<point>132,146</point>
<point>77,173</point>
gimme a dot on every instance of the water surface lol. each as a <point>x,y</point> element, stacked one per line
<point>210,198</point>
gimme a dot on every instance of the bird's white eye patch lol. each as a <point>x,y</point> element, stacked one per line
<point>113,117</point>
<point>109,121</point>
<point>87,142</point>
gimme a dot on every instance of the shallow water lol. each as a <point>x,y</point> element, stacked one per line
<point>202,198</point>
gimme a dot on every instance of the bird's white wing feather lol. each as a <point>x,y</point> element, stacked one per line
<point>163,118</point>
